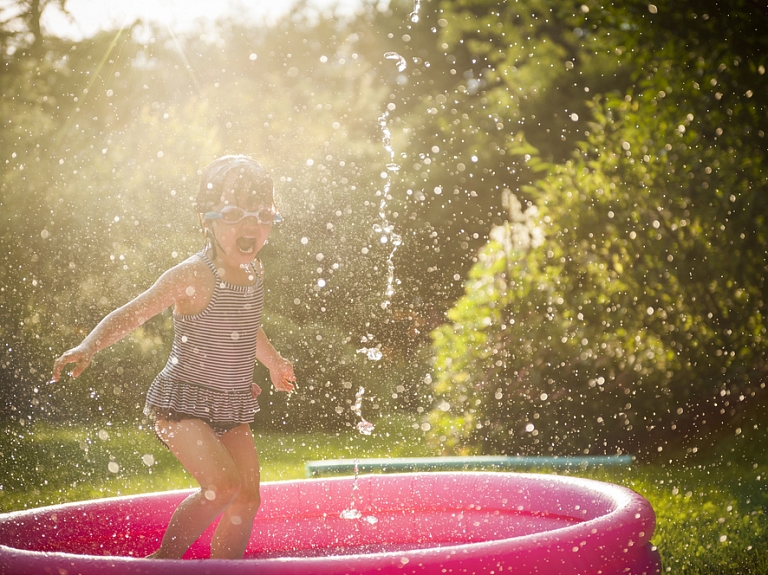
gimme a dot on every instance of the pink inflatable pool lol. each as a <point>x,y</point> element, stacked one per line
<point>411,523</point>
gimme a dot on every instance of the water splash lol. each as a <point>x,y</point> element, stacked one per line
<point>363,426</point>
<point>387,235</point>
<point>351,512</point>
<point>373,353</point>
<point>414,15</point>
<point>401,63</point>
<point>384,227</point>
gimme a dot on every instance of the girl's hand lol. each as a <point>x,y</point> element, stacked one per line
<point>282,376</point>
<point>255,390</point>
<point>78,355</point>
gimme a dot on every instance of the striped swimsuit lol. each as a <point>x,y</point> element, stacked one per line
<point>209,373</point>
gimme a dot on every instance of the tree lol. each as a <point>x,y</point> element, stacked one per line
<point>637,322</point>
<point>20,24</point>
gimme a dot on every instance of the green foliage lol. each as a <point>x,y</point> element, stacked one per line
<point>498,77</point>
<point>636,324</point>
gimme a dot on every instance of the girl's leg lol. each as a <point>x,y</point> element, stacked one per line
<point>234,529</point>
<point>203,454</point>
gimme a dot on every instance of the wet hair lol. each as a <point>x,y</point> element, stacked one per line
<point>251,183</point>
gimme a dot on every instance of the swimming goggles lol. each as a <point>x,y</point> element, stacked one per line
<point>234,215</point>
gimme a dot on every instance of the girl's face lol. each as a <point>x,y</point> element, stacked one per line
<point>240,241</point>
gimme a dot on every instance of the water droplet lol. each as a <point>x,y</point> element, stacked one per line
<point>401,63</point>
<point>373,353</point>
<point>365,427</point>
<point>148,459</point>
<point>350,514</point>
<point>414,15</point>
<point>113,467</point>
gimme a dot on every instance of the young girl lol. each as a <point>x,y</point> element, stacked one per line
<point>204,398</point>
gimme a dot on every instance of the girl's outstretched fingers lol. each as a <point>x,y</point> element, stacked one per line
<point>77,356</point>
<point>282,376</point>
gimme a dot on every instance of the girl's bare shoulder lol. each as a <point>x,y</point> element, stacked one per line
<point>193,282</point>
<point>195,267</point>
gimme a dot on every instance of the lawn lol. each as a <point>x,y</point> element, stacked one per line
<point>711,512</point>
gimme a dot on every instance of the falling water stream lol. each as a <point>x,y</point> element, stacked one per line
<point>363,426</point>
<point>353,512</point>
<point>387,236</point>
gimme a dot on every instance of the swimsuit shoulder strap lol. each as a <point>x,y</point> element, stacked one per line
<point>209,263</point>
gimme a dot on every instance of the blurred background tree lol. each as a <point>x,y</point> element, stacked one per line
<point>622,309</point>
<point>20,24</point>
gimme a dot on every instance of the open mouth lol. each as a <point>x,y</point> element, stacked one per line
<point>246,244</point>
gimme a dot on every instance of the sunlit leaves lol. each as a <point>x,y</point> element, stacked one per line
<point>653,288</point>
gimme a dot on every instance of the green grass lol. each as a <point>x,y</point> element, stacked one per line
<point>46,465</point>
<point>710,518</point>
<point>711,514</point>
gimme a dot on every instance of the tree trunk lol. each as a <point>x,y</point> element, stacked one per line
<point>33,22</point>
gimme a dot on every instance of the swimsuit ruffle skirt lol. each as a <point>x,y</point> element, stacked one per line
<point>209,373</point>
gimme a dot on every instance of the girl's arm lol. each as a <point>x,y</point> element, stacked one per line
<point>280,369</point>
<point>168,289</point>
